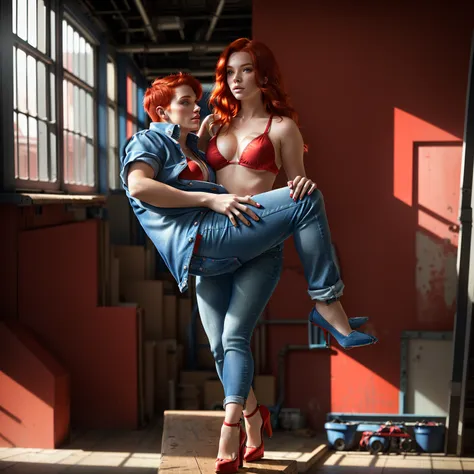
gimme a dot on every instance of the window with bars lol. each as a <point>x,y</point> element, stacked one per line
<point>112,110</point>
<point>34,86</point>
<point>78,108</point>
<point>132,107</point>
<point>37,136</point>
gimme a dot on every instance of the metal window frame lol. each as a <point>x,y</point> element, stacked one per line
<point>77,81</point>
<point>113,103</point>
<point>404,344</point>
<point>45,58</point>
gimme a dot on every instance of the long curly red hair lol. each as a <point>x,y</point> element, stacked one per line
<point>162,90</point>
<point>267,75</point>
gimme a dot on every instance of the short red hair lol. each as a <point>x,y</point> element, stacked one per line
<point>162,90</point>
<point>268,77</point>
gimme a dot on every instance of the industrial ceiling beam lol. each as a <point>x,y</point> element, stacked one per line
<point>146,20</point>
<point>199,48</point>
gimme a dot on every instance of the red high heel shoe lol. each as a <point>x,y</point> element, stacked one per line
<point>230,466</point>
<point>255,454</point>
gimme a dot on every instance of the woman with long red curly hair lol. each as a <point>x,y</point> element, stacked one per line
<point>193,223</point>
<point>252,133</point>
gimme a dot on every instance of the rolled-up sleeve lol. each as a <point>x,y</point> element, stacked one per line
<point>145,148</point>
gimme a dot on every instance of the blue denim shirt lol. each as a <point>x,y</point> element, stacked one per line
<point>172,230</point>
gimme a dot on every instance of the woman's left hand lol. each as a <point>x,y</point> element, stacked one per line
<point>300,186</point>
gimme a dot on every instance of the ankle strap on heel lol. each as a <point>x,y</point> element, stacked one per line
<point>253,413</point>
<point>231,424</point>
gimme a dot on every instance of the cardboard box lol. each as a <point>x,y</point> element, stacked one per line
<point>132,261</point>
<point>170,312</point>
<point>185,308</point>
<point>213,395</point>
<point>149,296</point>
<point>205,359</point>
<point>150,347</point>
<point>265,389</point>
<point>196,377</point>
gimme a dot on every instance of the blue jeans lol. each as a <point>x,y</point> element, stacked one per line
<point>230,306</point>
<point>226,249</point>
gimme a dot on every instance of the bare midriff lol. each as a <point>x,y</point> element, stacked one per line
<point>245,181</point>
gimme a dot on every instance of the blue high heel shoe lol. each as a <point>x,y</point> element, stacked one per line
<point>357,322</point>
<point>353,339</point>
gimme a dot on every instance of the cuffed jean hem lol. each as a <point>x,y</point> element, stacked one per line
<point>329,294</point>
<point>234,399</point>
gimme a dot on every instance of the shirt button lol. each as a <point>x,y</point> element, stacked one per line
<point>185,267</point>
<point>191,239</point>
<point>190,184</point>
<point>196,223</point>
<point>200,269</point>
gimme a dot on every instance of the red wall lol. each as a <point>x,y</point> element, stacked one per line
<point>362,78</point>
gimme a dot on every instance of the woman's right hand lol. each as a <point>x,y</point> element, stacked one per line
<point>233,206</point>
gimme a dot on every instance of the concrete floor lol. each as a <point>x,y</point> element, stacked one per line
<point>364,463</point>
<point>138,452</point>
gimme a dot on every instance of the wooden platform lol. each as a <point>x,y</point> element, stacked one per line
<point>190,443</point>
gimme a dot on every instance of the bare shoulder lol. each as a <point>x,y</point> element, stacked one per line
<point>284,125</point>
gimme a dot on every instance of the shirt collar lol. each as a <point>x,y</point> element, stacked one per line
<point>173,130</point>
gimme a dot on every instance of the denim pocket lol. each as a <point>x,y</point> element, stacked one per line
<point>204,266</point>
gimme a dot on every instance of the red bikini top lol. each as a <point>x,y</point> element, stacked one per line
<point>192,171</point>
<point>259,154</point>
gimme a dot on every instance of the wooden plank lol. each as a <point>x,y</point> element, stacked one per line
<point>190,443</point>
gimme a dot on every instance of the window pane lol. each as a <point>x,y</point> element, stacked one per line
<point>32,85</point>
<point>65,45</point>
<point>21,79</point>
<point>14,17</point>
<point>82,144</point>
<point>90,165</point>
<point>134,99</point>
<point>41,26</point>
<point>82,59</point>
<point>83,111</point>
<point>65,105</point>
<point>22,27</point>
<point>53,97</point>
<point>43,151</point>
<point>75,67</point>
<point>14,78</point>
<point>129,128</point>
<point>112,128</point>
<point>90,64</point>
<point>77,108</point>
<point>53,35</point>
<point>15,141</point>
<point>113,172</point>
<point>111,80</point>
<point>129,95</point>
<point>70,47</point>
<point>42,110</point>
<point>70,157</point>
<point>77,160</point>
<point>65,156</point>
<point>90,116</point>
<point>22,146</point>
<point>53,155</point>
<point>33,148</point>
<point>32,22</point>
<point>71,105</point>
